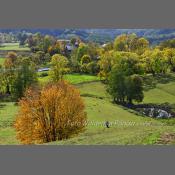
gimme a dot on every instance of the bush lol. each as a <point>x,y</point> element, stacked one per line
<point>54,113</point>
<point>43,74</point>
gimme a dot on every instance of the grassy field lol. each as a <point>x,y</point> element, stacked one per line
<point>128,127</point>
<point>13,46</point>
<point>161,90</point>
<point>72,78</point>
<point>7,115</point>
<point>2,61</point>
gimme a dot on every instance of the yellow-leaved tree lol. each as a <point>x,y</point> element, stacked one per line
<point>59,66</point>
<point>53,113</point>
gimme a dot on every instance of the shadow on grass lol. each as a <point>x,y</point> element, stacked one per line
<point>2,106</point>
<point>150,81</point>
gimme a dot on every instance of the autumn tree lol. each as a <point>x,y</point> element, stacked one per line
<point>120,43</point>
<point>54,49</point>
<point>131,43</point>
<point>155,61</point>
<point>47,42</point>
<point>75,41</point>
<point>40,57</point>
<point>92,68</point>
<point>167,44</point>
<point>148,62</point>
<point>53,113</point>
<point>106,62</point>
<point>75,65</point>
<point>170,55</point>
<point>12,56</point>
<point>108,46</point>
<point>8,72</point>
<point>129,63</point>
<point>82,50</point>
<point>85,60</point>
<point>59,66</point>
<point>140,45</point>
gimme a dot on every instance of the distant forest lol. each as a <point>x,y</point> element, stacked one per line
<point>155,36</point>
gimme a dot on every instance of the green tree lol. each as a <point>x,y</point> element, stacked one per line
<point>8,74</point>
<point>59,66</point>
<point>116,86</point>
<point>160,61</point>
<point>125,88</point>
<point>129,63</point>
<point>84,62</point>
<point>120,43</point>
<point>82,50</point>
<point>92,68</point>
<point>47,42</point>
<point>21,36</point>
<point>155,61</point>
<point>124,85</point>
<point>106,62</point>
<point>25,76</point>
<point>75,66</point>
<point>131,43</point>
<point>170,54</point>
<point>167,44</point>
<point>40,58</point>
<point>134,88</point>
<point>141,44</point>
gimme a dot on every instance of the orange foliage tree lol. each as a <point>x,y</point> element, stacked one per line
<point>53,113</point>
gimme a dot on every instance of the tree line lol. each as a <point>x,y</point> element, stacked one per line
<point>129,56</point>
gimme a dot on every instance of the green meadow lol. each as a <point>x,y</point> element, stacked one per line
<point>14,47</point>
<point>127,126</point>
<point>72,78</point>
<point>2,60</point>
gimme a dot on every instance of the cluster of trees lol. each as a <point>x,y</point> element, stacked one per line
<point>124,82</point>
<point>84,58</point>
<point>123,62</point>
<point>128,54</point>
<point>16,74</point>
<point>49,113</point>
<point>154,60</point>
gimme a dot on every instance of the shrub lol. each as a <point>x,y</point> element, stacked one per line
<point>54,113</point>
<point>44,74</point>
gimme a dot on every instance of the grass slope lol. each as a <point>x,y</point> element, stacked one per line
<point>72,78</point>
<point>161,89</point>
<point>7,116</point>
<point>129,128</point>
<point>2,61</point>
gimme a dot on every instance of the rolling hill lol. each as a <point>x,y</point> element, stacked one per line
<point>100,35</point>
